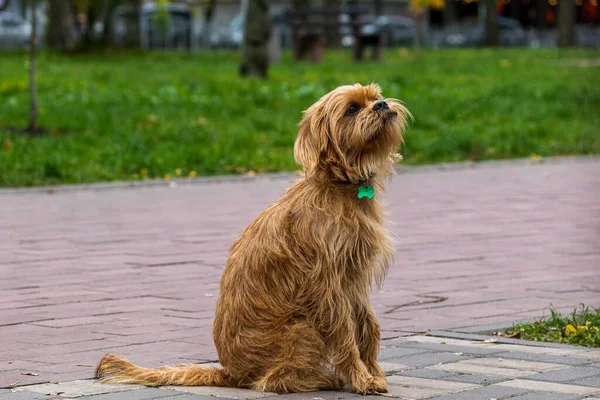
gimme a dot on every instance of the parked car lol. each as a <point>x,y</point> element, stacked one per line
<point>399,30</point>
<point>14,31</point>
<point>587,36</point>
<point>232,35</point>
<point>472,34</point>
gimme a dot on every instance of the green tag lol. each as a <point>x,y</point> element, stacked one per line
<point>368,191</point>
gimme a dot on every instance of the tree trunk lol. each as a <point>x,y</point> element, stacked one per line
<point>108,33</point>
<point>449,12</point>
<point>60,26</point>
<point>133,28</point>
<point>515,10</point>
<point>378,7</point>
<point>209,13</point>
<point>32,87</point>
<point>420,32</point>
<point>491,23</point>
<point>566,23</point>
<point>541,6</point>
<point>257,31</point>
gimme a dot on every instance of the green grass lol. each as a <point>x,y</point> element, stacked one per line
<point>581,327</point>
<point>138,116</point>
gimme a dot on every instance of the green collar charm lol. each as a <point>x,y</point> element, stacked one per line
<point>366,191</point>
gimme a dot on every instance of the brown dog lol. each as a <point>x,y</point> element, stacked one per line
<point>294,313</point>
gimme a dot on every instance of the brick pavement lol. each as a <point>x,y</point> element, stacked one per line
<point>136,271</point>
<point>417,367</point>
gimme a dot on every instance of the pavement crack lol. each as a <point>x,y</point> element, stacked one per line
<point>435,299</point>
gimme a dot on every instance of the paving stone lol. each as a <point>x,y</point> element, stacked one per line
<point>568,374</point>
<point>546,358</point>
<point>419,388</point>
<point>22,396</point>
<point>590,355</point>
<point>592,381</point>
<point>184,396</point>
<point>515,364</point>
<point>467,350</point>
<point>449,342</point>
<point>79,388</point>
<point>426,373</point>
<point>395,352</point>
<point>230,393</point>
<point>546,396</point>
<point>425,359</point>
<point>483,393</point>
<point>475,378</point>
<point>390,368</point>
<point>321,395</point>
<point>549,387</point>
<point>468,368</point>
<point>139,394</point>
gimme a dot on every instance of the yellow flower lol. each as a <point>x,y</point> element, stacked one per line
<point>570,330</point>
<point>192,174</point>
<point>178,171</point>
<point>167,177</point>
<point>581,328</point>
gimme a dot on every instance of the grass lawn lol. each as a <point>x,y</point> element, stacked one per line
<point>139,116</point>
<point>581,327</point>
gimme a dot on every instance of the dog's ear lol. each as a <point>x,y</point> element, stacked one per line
<point>312,138</point>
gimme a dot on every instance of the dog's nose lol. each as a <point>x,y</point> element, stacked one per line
<point>380,105</point>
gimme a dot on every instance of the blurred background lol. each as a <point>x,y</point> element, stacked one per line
<point>102,90</point>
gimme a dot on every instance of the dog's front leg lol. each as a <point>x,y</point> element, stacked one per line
<point>346,358</point>
<point>336,319</point>
<point>367,336</point>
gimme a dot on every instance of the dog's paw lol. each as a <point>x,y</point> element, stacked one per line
<point>379,385</point>
<point>370,385</point>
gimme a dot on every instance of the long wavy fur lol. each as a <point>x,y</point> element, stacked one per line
<point>294,313</point>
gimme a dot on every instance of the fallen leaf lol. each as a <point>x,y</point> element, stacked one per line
<point>54,393</point>
<point>150,120</point>
<point>506,335</point>
<point>486,341</point>
<point>442,342</point>
<point>536,157</point>
<point>29,373</point>
<point>199,121</point>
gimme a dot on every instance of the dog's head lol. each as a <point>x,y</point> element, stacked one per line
<point>351,134</point>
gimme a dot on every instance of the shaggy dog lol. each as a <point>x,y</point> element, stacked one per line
<point>294,313</point>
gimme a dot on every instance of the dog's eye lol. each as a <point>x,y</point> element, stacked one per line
<point>353,109</point>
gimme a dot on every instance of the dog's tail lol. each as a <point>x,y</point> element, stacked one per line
<point>114,368</point>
